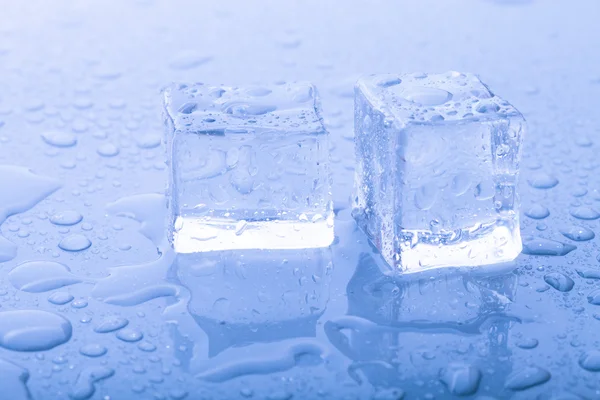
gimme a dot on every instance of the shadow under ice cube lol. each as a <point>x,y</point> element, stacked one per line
<point>249,168</point>
<point>437,167</point>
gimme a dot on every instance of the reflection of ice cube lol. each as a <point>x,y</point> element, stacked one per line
<point>437,163</point>
<point>249,168</point>
<point>243,297</point>
<point>395,326</point>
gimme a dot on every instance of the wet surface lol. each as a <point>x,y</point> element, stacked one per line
<point>94,305</point>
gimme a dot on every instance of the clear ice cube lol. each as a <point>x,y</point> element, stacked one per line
<point>249,168</point>
<point>437,165</point>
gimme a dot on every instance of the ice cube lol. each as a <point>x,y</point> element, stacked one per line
<point>249,168</point>
<point>437,165</point>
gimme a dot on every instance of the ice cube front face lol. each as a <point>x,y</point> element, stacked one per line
<point>437,167</point>
<point>249,168</point>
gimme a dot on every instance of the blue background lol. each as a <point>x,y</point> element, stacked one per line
<point>80,108</point>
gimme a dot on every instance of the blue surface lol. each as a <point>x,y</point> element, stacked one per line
<point>80,107</point>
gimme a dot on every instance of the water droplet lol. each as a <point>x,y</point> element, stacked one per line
<point>542,180</point>
<point>578,233</point>
<point>59,138</point>
<point>75,242</point>
<point>590,360</point>
<point>148,141</point>
<point>14,381</point>
<point>588,274</point>
<point>594,297</point>
<point>85,385</point>
<point>111,324</point>
<point>130,335</point>
<point>537,211</point>
<point>426,96</point>
<point>80,303</point>
<point>240,227</point>
<point>426,196</point>
<point>546,247</point>
<point>93,350</point>
<point>460,379</point>
<point>41,276</point>
<point>584,212</point>
<point>559,281</point>
<point>146,346</point>
<point>526,378</point>
<point>527,343</point>
<point>67,218</point>
<point>26,190</point>
<point>107,150</point>
<point>461,184</point>
<point>388,394</point>
<point>60,298</point>
<point>188,59</point>
<point>33,330</point>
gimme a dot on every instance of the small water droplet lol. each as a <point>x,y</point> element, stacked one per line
<point>546,247</point>
<point>541,180</point>
<point>93,350</point>
<point>590,360</point>
<point>59,138</point>
<point>111,324</point>
<point>526,378</point>
<point>60,298</point>
<point>75,242</point>
<point>148,141</point>
<point>130,335</point>
<point>527,343</point>
<point>578,233</point>
<point>107,150</point>
<point>67,218</point>
<point>594,297</point>
<point>426,96</point>
<point>537,211</point>
<point>559,281</point>
<point>584,212</point>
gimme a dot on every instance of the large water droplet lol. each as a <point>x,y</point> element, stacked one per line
<point>14,379</point>
<point>26,190</point>
<point>67,218</point>
<point>546,247</point>
<point>559,281</point>
<point>426,96</point>
<point>75,242</point>
<point>41,276</point>
<point>85,385</point>
<point>526,378</point>
<point>59,138</point>
<point>578,233</point>
<point>111,324</point>
<point>585,213</point>
<point>590,360</point>
<point>33,330</point>
<point>460,379</point>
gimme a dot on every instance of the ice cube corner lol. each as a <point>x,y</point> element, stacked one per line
<point>249,167</point>
<point>437,168</point>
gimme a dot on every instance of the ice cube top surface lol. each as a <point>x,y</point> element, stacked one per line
<point>198,107</point>
<point>422,98</point>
